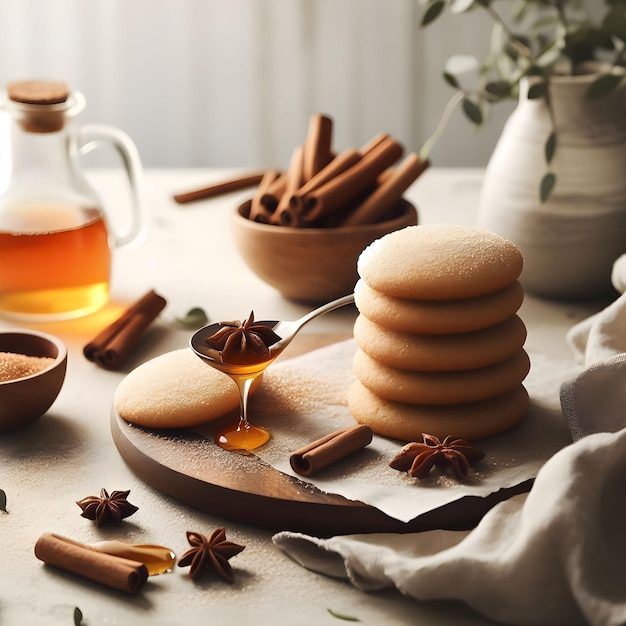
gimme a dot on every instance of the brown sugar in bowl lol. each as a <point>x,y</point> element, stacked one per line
<point>310,265</point>
<point>25,399</point>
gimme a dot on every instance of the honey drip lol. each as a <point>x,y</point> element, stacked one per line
<point>243,435</point>
<point>158,559</point>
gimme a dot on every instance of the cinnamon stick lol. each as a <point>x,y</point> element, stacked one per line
<point>112,346</point>
<point>259,210</point>
<point>69,555</point>
<point>317,146</point>
<point>350,184</point>
<point>274,193</point>
<point>242,182</point>
<point>330,449</point>
<point>338,165</point>
<point>294,181</point>
<point>374,142</point>
<point>379,204</point>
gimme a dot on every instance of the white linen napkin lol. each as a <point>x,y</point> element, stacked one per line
<point>595,400</point>
<point>555,556</point>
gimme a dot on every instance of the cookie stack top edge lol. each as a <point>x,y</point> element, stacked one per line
<point>440,262</point>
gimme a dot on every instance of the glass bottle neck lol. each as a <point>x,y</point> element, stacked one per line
<point>41,154</point>
<point>43,167</point>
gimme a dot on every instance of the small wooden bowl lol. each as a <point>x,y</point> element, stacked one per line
<point>310,265</point>
<point>23,400</point>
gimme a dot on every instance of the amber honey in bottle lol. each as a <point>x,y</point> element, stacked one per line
<point>55,247</point>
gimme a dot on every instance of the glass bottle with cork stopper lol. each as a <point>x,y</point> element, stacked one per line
<point>55,239</point>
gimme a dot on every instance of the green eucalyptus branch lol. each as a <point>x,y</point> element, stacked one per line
<point>441,127</point>
<point>560,31</point>
<point>521,48</point>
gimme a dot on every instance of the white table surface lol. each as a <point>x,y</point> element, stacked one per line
<point>189,258</point>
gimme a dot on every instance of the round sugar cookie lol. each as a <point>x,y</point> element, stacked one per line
<point>407,422</point>
<point>438,316</point>
<point>440,353</point>
<point>174,390</point>
<point>441,387</point>
<point>440,262</point>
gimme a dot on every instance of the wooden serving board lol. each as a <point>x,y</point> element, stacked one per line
<point>241,487</point>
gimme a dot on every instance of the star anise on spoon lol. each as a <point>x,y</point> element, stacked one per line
<point>210,553</point>
<point>107,508</point>
<point>418,458</point>
<point>242,342</point>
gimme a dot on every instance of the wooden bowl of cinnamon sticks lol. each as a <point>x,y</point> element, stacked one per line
<point>310,265</point>
<point>32,372</point>
<point>305,227</point>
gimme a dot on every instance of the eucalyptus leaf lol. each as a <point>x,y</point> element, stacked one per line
<point>603,85</point>
<point>461,6</point>
<point>78,616</point>
<point>461,64</point>
<point>619,44</point>
<point>537,90</point>
<point>347,618</point>
<point>504,66</point>
<point>549,56</point>
<point>3,501</point>
<point>545,21</point>
<point>500,88</point>
<point>194,318</point>
<point>472,111</point>
<point>433,11</point>
<point>451,80</point>
<point>550,147</point>
<point>546,186</point>
<point>498,40</point>
<point>520,10</point>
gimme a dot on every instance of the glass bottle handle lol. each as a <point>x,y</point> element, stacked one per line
<point>90,136</point>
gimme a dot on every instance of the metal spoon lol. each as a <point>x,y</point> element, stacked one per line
<point>244,435</point>
<point>286,330</point>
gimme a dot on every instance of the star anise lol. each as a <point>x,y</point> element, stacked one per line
<point>212,553</point>
<point>107,508</point>
<point>419,458</point>
<point>242,342</point>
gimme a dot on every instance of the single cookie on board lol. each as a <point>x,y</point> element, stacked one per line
<point>440,353</point>
<point>438,316</point>
<point>174,390</point>
<point>440,262</point>
<point>407,422</point>
<point>441,387</point>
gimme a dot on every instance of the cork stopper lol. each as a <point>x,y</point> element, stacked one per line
<point>38,92</point>
<point>39,113</point>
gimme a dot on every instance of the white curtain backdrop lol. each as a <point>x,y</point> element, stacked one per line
<point>232,83</point>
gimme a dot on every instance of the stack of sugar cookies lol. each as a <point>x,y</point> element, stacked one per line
<point>440,344</point>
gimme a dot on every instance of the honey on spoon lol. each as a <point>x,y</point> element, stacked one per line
<point>243,351</point>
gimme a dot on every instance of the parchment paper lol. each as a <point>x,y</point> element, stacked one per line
<point>304,398</point>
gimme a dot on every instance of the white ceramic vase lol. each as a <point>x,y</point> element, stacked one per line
<point>569,242</point>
